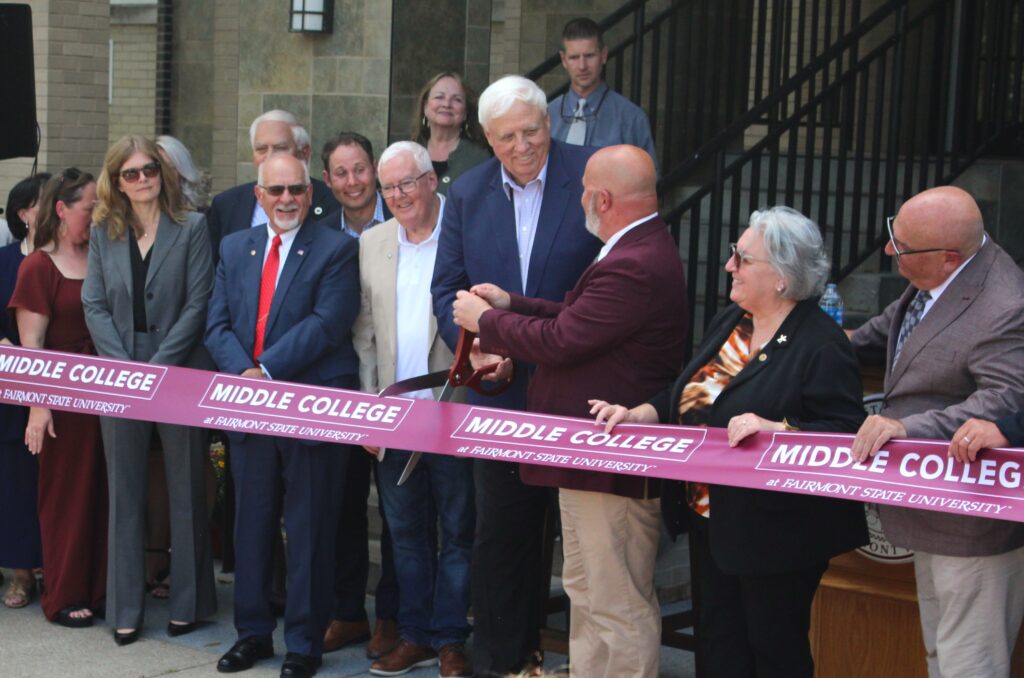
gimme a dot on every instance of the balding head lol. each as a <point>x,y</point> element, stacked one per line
<point>946,219</point>
<point>619,187</point>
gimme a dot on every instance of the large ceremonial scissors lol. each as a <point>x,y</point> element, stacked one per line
<point>461,373</point>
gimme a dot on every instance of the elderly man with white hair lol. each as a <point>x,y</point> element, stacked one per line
<point>515,221</point>
<point>236,209</point>
<point>396,338</point>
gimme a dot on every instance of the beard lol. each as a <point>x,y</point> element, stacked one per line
<point>593,221</point>
<point>289,223</point>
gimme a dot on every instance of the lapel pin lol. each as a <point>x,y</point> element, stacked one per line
<point>762,357</point>
<point>318,210</point>
<point>252,253</point>
<point>782,339</point>
<point>301,252</point>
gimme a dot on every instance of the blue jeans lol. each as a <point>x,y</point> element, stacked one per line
<point>433,589</point>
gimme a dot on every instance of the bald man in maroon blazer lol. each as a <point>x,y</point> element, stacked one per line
<point>618,336</point>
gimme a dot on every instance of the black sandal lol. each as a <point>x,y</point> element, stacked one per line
<point>64,617</point>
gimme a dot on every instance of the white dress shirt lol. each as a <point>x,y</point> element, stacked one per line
<point>618,236</point>
<point>413,307</point>
<point>526,202</point>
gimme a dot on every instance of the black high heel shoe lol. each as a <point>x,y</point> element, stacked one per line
<point>174,630</point>
<point>126,637</point>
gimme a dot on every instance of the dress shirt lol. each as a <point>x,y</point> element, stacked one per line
<point>942,288</point>
<point>259,217</point>
<point>287,238</point>
<point>413,307</point>
<point>378,218</point>
<point>618,236</point>
<point>526,202</point>
<point>611,119</point>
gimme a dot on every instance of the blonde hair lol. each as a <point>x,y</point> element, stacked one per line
<point>113,210</point>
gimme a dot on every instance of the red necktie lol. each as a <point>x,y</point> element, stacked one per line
<point>267,284</point>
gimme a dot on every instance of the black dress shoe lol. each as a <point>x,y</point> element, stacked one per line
<point>126,637</point>
<point>299,665</point>
<point>244,653</point>
<point>174,630</point>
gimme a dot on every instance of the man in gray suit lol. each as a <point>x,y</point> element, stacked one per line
<point>954,347</point>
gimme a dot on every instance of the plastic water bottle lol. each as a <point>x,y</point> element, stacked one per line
<point>832,304</point>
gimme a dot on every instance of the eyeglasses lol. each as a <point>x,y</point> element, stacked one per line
<point>405,187</point>
<point>131,175</point>
<point>277,191</point>
<point>740,258</point>
<point>902,253</point>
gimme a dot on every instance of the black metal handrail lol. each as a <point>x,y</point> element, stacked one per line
<point>931,93</point>
<point>670,64</point>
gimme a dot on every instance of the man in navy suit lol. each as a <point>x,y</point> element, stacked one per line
<point>514,221</point>
<point>237,209</point>
<point>284,301</point>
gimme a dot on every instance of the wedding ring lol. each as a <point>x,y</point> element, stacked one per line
<point>967,440</point>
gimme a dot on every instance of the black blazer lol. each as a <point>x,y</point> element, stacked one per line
<point>809,377</point>
<point>1012,426</point>
<point>232,210</point>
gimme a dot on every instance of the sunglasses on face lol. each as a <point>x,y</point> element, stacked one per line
<point>278,190</point>
<point>131,175</point>
<point>740,257</point>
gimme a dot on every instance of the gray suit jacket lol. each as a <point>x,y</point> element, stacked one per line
<point>965,359</point>
<point>178,289</point>
<point>374,333</point>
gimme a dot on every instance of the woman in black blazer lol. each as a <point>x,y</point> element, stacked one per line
<point>772,361</point>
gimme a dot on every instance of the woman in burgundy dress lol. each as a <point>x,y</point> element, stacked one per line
<point>47,303</point>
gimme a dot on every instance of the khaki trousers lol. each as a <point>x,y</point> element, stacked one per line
<point>971,610</point>
<point>610,544</point>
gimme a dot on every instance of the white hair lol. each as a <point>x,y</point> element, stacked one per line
<point>193,183</point>
<point>420,155</point>
<point>504,92</point>
<point>299,134</point>
<point>795,250</point>
<point>305,169</point>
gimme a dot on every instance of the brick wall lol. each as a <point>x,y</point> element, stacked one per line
<point>133,105</point>
<point>70,44</point>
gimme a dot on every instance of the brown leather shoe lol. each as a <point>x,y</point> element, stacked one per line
<point>385,639</point>
<point>404,658</point>
<point>344,633</point>
<point>454,663</point>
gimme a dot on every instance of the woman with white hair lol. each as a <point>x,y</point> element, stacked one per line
<point>771,361</point>
<point>195,185</point>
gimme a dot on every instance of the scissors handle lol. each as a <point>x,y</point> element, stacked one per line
<point>462,372</point>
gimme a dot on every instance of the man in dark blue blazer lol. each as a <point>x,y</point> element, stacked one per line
<point>236,209</point>
<point>514,221</point>
<point>305,338</point>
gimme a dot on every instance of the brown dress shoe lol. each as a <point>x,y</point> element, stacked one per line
<point>454,663</point>
<point>404,658</point>
<point>385,639</point>
<point>343,633</point>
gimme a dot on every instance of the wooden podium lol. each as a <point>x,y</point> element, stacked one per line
<point>864,622</point>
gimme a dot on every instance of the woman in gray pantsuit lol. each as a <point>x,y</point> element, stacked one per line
<point>145,295</point>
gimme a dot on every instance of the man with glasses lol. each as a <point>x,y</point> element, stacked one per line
<point>591,114</point>
<point>284,300</point>
<point>396,338</point>
<point>237,209</point>
<point>954,346</point>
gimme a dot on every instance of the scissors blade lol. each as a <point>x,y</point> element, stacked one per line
<point>424,381</point>
<point>414,458</point>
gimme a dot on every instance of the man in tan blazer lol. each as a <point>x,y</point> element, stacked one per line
<point>396,338</point>
<point>954,349</point>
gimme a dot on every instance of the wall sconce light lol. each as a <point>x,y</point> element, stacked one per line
<point>311,16</point>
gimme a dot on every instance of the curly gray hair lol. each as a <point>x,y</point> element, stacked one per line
<point>795,250</point>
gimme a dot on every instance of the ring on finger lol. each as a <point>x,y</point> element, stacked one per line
<point>967,440</point>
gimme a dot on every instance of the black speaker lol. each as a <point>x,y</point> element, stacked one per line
<point>18,137</point>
